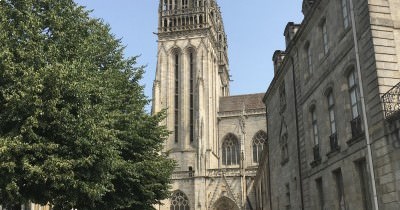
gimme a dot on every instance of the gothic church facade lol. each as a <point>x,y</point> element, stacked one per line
<point>216,139</point>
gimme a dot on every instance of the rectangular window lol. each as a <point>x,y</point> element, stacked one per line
<point>315,127</point>
<point>340,201</point>
<point>333,140</point>
<point>356,124</point>
<point>309,58</point>
<point>325,36</point>
<point>331,110</point>
<point>345,13</point>
<point>352,80</point>
<point>320,191</point>
<point>361,166</point>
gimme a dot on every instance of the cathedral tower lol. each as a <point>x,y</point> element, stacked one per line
<point>192,74</point>
<point>192,80</point>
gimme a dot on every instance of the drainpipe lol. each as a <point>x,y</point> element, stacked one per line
<point>363,110</point>
<point>297,131</point>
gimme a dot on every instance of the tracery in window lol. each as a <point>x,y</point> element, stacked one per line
<point>179,201</point>
<point>230,150</point>
<point>258,145</point>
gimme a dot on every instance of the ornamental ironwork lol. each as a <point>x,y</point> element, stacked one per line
<point>391,102</point>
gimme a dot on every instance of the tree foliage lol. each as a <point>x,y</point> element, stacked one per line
<point>74,132</point>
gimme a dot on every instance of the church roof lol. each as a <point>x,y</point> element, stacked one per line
<point>236,103</point>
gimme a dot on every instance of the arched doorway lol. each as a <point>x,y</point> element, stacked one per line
<point>225,203</point>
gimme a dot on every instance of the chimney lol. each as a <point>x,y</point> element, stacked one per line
<point>277,58</point>
<point>290,31</point>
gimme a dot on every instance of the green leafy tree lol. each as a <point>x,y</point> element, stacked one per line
<point>74,132</point>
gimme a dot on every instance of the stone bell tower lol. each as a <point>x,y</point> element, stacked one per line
<point>192,75</point>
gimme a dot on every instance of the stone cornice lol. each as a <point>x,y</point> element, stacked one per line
<point>239,113</point>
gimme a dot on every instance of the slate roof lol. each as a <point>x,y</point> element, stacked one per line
<point>236,103</point>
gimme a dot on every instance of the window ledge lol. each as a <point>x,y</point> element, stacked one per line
<point>315,163</point>
<point>333,152</point>
<point>344,32</point>
<point>355,139</point>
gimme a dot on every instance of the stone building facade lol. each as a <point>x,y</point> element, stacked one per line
<point>216,139</point>
<point>333,110</point>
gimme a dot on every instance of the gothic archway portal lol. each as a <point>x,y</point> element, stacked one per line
<point>225,203</point>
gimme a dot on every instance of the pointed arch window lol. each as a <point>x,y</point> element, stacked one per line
<point>230,150</point>
<point>191,70</point>
<point>176,99</point>
<point>179,201</point>
<point>258,145</point>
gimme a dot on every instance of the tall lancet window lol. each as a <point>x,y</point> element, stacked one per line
<point>258,145</point>
<point>230,150</point>
<point>176,100</point>
<point>191,66</point>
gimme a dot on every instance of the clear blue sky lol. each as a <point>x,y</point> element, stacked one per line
<point>254,29</point>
